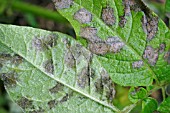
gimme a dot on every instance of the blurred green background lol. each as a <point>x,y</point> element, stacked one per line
<point>42,14</point>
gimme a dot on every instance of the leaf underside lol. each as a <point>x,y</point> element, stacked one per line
<point>47,71</point>
<point>131,42</point>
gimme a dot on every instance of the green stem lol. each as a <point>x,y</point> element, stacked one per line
<point>35,10</point>
<point>163,93</point>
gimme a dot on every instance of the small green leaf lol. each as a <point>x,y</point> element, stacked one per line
<point>165,106</point>
<point>136,94</point>
<point>149,105</point>
<point>129,39</point>
<point>51,72</point>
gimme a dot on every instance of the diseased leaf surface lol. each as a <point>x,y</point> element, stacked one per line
<point>131,42</point>
<point>50,72</point>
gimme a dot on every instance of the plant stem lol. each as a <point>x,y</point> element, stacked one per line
<point>35,10</point>
<point>163,93</point>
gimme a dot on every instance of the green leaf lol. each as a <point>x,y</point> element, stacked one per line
<point>136,94</point>
<point>165,106</point>
<point>149,105</point>
<point>130,40</point>
<point>50,72</point>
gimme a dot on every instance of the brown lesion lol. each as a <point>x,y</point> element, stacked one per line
<point>137,64</point>
<point>69,59</point>
<point>9,79</point>
<point>25,103</point>
<point>98,46</point>
<point>108,16</point>
<point>151,55</point>
<point>52,103</point>
<point>167,57</point>
<point>62,4</point>
<point>50,40</point>
<point>83,16</point>
<point>105,87</point>
<point>58,87</point>
<point>48,66</point>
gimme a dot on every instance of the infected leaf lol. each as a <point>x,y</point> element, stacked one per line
<point>50,40</point>
<point>65,98</point>
<point>69,60</point>
<point>162,48</point>
<point>83,16</point>
<point>38,44</point>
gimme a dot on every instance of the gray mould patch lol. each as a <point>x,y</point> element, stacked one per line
<point>99,86</point>
<point>98,48</point>
<point>115,44</point>
<point>108,16</point>
<point>48,66</point>
<point>89,33</point>
<point>151,55</point>
<point>151,27</point>
<point>50,40</point>
<point>58,87</point>
<point>76,51</point>
<point>52,104</point>
<point>38,44</point>
<point>9,79</point>
<point>162,47</point>
<point>63,4</point>
<point>83,16</point>
<point>83,78</point>
<point>112,44</point>
<point>167,57</point>
<point>25,103</point>
<point>137,64</point>
<point>69,60</point>
<point>65,98</point>
<point>4,57</point>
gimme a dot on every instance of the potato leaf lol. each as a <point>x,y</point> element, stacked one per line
<point>50,72</point>
<point>131,42</point>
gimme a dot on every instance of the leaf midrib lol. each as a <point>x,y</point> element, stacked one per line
<point>114,108</point>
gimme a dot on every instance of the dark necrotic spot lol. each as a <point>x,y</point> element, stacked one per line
<point>151,55</point>
<point>83,16</point>
<point>99,86</point>
<point>108,16</point>
<point>48,66</point>
<point>52,104</point>
<point>162,48</point>
<point>16,59</point>
<point>108,86</point>
<point>38,44</point>
<point>137,64</point>
<point>89,33</point>
<point>167,57</point>
<point>50,40</point>
<point>58,87</point>
<point>69,60</point>
<point>83,78</point>
<point>122,21</point>
<point>62,4</point>
<point>25,103</point>
<point>10,79</point>
<point>65,98</point>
